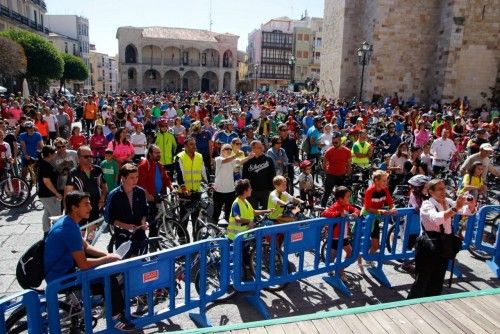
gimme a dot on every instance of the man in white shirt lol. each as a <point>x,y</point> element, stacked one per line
<point>255,111</point>
<point>51,119</point>
<point>442,150</point>
<point>171,112</point>
<point>139,141</point>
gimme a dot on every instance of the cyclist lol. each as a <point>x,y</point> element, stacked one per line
<point>167,144</point>
<point>31,143</point>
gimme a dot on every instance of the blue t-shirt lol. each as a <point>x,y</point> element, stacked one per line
<point>202,139</point>
<point>314,133</point>
<point>308,122</point>
<point>63,239</point>
<point>158,182</point>
<point>225,138</point>
<point>31,143</point>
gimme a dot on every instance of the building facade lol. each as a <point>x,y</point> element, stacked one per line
<point>437,50</point>
<point>307,49</point>
<point>77,28</point>
<point>103,72</point>
<point>173,59</point>
<point>24,14</point>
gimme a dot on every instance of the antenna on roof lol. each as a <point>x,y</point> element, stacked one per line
<point>210,22</point>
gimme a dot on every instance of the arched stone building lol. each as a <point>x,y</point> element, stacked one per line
<point>173,59</point>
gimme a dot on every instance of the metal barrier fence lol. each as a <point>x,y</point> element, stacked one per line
<point>272,266</point>
<point>489,218</point>
<point>27,301</point>
<point>142,276</point>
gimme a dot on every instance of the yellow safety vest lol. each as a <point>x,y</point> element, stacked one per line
<point>192,170</point>
<point>246,212</point>
<point>363,150</point>
<point>166,142</point>
<point>278,210</point>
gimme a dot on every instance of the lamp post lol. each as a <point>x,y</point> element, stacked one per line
<point>256,71</point>
<point>364,54</point>
<point>292,62</point>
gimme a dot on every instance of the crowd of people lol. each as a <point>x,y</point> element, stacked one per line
<point>130,148</point>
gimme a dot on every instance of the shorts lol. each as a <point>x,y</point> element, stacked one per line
<point>335,243</point>
<point>375,230</point>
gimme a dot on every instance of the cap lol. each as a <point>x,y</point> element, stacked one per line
<point>304,164</point>
<point>486,147</point>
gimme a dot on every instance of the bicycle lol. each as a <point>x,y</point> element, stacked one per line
<point>14,191</point>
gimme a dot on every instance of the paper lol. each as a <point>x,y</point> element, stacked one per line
<point>123,249</point>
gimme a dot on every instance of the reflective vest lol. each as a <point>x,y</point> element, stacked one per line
<point>166,143</point>
<point>192,170</point>
<point>362,149</point>
<point>278,210</point>
<point>246,212</point>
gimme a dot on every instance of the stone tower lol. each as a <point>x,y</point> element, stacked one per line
<point>435,49</point>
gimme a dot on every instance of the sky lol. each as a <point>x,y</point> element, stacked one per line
<point>232,16</point>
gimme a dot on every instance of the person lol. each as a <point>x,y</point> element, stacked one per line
<point>168,146</point>
<point>90,110</point>
<point>306,183</point>
<point>242,219</point>
<point>362,150</point>
<point>88,178</point>
<point>110,169</point>
<point>42,126</point>
<point>337,165</point>
<point>65,249</point>
<point>421,134</point>
<point>139,141</point>
<point>391,139</point>
<point>239,155</point>
<point>289,144</point>
<point>442,150</point>
<point>47,191</point>
<point>5,153</point>
<point>278,198</point>
<point>204,144</point>
<point>396,166</point>
<point>52,124</point>
<point>31,142</point>
<point>179,132</point>
<point>260,171</point>
<point>190,171</point>
<point>64,161</point>
<point>127,211</point>
<point>98,143</point>
<point>314,135</point>
<point>154,180</point>
<point>483,156</point>
<point>377,196</point>
<point>472,182</point>
<point>76,139</point>
<point>123,151</point>
<point>278,155</point>
<point>341,208</point>
<point>436,215</point>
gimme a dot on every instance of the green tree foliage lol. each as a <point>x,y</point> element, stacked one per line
<point>74,69</point>
<point>13,61</point>
<point>44,60</point>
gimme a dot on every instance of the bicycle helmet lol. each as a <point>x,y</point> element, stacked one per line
<point>304,164</point>
<point>162,121</point>
<point>29,124</point>
<point>419,180</point>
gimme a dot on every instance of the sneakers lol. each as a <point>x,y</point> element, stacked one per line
<point>123,325</point>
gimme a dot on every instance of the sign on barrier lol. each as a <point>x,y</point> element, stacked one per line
<point>24,303</point>
<point>141,277</point>
<point>487,235</point>
<point>272,262</point>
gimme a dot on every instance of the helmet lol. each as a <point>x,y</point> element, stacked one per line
<point>162,121</point>
<point>29,124</point>
<point>304,164</point>
<point>419,180</point>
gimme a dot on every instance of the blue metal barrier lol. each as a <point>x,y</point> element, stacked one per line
<point>142,276</point>
<point>494,250</point>
<point>298,238</point>
<point>28,300</point>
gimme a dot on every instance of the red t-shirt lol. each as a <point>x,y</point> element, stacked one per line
<point>337,160</point>
<point>377,199</point>
<point>76,141</point>
<point>336,210</point>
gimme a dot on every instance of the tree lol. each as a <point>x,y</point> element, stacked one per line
<point>12,58</point>
<point>44,61</point>
<point>74,69</point>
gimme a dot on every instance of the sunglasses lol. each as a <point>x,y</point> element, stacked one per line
<point>237,144</point>
<point>227,149</point>
<point>86,156</point>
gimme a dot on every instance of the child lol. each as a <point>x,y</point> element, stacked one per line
<point>385,164</point>
<point>76,139</point>
<point>341,208</point>
<point>472,182</point>
<point>278,198</point>
<point>110,169</point>
<point>306,183</point>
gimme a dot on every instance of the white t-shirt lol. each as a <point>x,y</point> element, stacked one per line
<point>171,113</point>
<point>52,121</point>
<point>442,150</point>
<point>326,140</point>
<point>274,197</point>
<point>138,139</point>
<point>224,175</point>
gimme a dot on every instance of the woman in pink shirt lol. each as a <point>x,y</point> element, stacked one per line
<point>421,134</point>
<point>98,143</point>
<point>123,151</point>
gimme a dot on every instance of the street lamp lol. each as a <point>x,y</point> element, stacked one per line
<point>256,71</point>
<point>364,55</point>
<point>292,62</point>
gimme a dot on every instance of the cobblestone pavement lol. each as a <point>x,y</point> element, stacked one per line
<point>21,227</point>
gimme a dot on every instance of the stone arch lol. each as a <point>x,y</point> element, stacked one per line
<point>191,81</point>
<point>172,81</point>
<point>172,56</point>
<point>151,80</point>
<point>209,82</point>
<point>130,54</point>
<point>132,78</point>
<point>226,82</point>
<point>191,57</point>
<point>227,59</point>
<point>151,55</point>
<point>210,58</point>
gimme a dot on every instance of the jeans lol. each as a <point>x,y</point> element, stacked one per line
<point>331,181</point>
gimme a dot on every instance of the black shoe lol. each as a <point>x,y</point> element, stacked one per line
<point>123,325</point>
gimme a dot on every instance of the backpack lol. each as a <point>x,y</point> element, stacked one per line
<point>30,267</point>
<point>306,145</point>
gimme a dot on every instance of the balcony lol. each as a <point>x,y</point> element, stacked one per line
<point>273,45</point>
<point>4,11</point>
<point>40,3</point>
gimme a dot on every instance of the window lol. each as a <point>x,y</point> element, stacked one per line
<point>110,76</point>
<point>305,54</point>
<point>318,55</point>
<point>204,59</point>
<point>299,37</point>
<point>299,54</point>
<point>185,58</point>
<point>130,74</point>
<point>306,37</point>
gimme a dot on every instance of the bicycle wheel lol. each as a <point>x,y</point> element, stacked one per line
<point>17,322</point>
<point>14,192</point>
<point>213,282</point>
<point>390,239</point>
<point>172,234</point>
<point>209,230</point>
<point>266,266</point>
<point>489,236</point>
